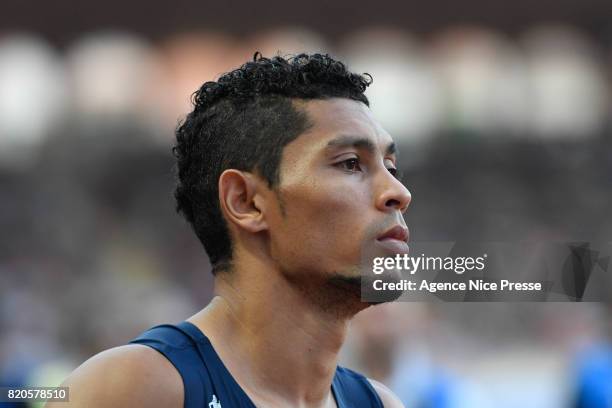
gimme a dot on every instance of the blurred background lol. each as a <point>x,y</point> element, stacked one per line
<point>501,111</point>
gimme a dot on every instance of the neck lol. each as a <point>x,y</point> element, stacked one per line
<point>279,342</point>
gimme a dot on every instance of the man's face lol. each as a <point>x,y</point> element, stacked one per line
<point>338,195</point>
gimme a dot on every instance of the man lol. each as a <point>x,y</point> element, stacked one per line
<point>287,180</point>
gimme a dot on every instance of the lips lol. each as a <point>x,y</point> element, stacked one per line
<point>397,232</point>
<point>395,240</point>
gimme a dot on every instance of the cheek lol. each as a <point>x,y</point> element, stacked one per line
<point>324,223</point>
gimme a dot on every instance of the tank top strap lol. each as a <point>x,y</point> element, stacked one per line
<point>208,383</point>
<point>175,343</point>
<point>353,390</point>
<point>229,392</point>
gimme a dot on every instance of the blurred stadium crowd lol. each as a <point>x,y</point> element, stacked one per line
<point>501,139</point>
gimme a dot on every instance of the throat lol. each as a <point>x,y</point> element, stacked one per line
<point>288,353</point>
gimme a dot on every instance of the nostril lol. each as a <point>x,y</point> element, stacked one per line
<point>392,203</point>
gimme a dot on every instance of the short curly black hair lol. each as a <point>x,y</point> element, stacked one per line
<point>243,121</point>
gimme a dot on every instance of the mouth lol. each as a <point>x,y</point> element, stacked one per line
<point>395,240</point>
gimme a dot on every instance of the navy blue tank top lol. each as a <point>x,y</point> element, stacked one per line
<point>208,383</point>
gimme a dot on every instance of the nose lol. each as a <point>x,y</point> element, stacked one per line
<point>393,195</point>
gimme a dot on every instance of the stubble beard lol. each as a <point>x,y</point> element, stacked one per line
<point>340,294</point>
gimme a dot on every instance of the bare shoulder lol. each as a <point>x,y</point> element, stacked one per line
<point>388,398</point>
<point>128,376</point>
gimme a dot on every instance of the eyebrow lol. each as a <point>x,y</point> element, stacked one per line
<point>358,142</point>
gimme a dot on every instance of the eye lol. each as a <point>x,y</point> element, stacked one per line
<point>351,165</point>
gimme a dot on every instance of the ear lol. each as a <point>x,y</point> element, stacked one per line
<point>241,201</point>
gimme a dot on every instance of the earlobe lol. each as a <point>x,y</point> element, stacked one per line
<point>240,200</point>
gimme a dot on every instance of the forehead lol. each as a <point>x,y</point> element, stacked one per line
<point>336,117</point>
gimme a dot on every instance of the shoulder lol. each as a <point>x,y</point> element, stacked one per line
<point>127,376</point>
<point>388,398</point>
